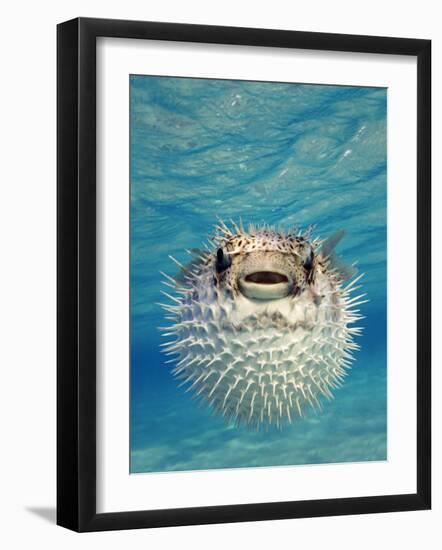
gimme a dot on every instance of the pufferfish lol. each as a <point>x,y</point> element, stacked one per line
<point>262,324</point>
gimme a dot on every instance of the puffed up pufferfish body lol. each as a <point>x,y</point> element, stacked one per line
<point>262,324</point>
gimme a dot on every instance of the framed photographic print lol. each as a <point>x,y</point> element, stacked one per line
<point>243,274</point>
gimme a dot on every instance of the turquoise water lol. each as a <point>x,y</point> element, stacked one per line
<point>289,154</point>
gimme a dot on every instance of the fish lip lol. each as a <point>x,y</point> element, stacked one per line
<point>265,285</point>
<point>266,277</point>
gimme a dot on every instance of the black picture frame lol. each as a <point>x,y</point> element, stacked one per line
<point>76,274</point>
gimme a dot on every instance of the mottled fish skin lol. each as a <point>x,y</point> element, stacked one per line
<point>262,324</point>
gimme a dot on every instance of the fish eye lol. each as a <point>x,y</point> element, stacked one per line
<point>223,261</point>
<point>308,262</point>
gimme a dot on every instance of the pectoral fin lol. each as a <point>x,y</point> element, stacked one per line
<point>345,270</point>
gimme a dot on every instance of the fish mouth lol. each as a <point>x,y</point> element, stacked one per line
<point>266,278</point>
<point>265,285</point>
